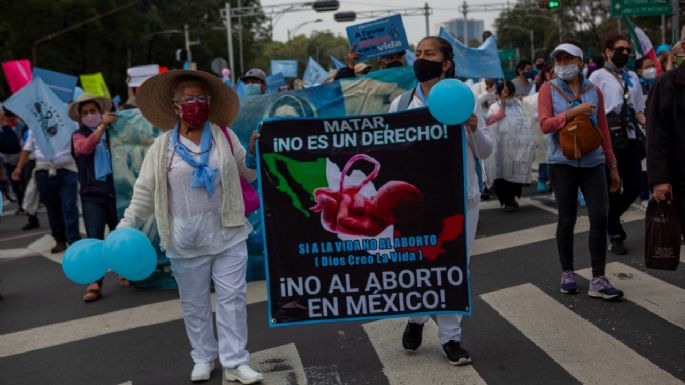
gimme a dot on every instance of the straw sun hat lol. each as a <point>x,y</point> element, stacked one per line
<point>155,99</point>
<point>74,113</point>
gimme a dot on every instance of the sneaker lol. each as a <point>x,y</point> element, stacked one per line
<point>202,371</point>
<point>600,287</point>
<point>616,247</point>
<point>542,187</point>
<point>244,374</point>
<point>568,283</point>
<point>456,355</point>
<point>412,336</point>
<point>510,208</point>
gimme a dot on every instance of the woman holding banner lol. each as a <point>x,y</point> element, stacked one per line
<point>569,100</point>
<point>434,62</point>
<point>190,182</point>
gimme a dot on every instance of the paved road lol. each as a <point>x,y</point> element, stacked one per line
<point>523,331</point>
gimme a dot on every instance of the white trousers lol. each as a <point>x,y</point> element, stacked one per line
<point>449,325</point>
<point>31,198</point>
<point>194,275</point>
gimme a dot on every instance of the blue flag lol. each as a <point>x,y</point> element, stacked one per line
<point>274,82</point>
<point>481,62</point>
<point>410,56</point>
<point>61,84</point>
<point>45,114</point>
<point>314,74</point>
<point>287,67</point>
<point>337,64</point>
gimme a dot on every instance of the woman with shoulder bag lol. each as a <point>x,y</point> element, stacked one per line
<point>571,109</point>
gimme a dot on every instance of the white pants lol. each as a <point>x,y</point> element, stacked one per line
<point>449,325</point>
<point>31,198</point>
<point>194,275</point>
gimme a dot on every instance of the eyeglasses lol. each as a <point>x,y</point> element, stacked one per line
<point>200,99</point>
<point>627,50</point>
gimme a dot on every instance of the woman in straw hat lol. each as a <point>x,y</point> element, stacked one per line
<point>190,182</point>
<point>90,149</point>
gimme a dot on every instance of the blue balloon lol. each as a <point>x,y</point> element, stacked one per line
<point>83,261</point>
<point>451,101</point>
<point>129,253</point>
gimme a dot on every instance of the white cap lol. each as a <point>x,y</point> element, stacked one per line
<point>570,49</point>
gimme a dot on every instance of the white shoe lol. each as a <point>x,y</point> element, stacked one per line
<point>202,372</point>
<point>244,374</point>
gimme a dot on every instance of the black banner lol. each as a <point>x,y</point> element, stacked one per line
<point>364,217</point>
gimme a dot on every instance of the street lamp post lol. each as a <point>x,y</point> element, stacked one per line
<point>297,27</point>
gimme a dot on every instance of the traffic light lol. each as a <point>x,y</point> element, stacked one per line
<point>548,4</point>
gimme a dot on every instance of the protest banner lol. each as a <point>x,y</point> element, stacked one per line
<point>45,114</point>
<point>61,84</point>
<point>354,229</point>
<point>379,37</point>
<point>286,67</point>
<point>481,62</point>
<point>95,84</point>
<point>17,73</point>
<point>314,74</point>
<point>274,82</point>
<point>335,63</point>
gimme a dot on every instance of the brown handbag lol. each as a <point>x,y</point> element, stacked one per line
<point>578,137</point>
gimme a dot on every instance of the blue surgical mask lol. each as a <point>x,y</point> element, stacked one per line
<point>253,89</point>
<point>530,74</point>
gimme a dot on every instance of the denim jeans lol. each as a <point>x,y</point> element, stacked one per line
<point>59,193</point>
<point>592,182</point>
<point>99,211</point>
<point>543,174</point>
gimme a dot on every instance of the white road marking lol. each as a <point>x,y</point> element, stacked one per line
<point>586,352</point>
<point>659,297</point>
<point>428,365</point>
<point>16,253</point>
<point>537,234</point>
<point>89,327</point>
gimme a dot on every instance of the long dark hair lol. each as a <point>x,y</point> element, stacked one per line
<point>447,52</point>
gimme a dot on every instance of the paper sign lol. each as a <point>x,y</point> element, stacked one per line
<point>287,67</point>
<point>140,74</point>
<point>95,84</point>
<point>17,73</point>
<point>378,37</point>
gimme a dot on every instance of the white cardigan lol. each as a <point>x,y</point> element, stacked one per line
<point>150,192</point>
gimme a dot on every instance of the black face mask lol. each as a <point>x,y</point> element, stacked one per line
<point>426,70</point>
<point>620,59</point>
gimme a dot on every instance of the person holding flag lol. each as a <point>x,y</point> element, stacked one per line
<point>90,149</point>
<point>434,62</point>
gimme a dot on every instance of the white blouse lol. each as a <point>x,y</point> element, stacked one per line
<point>195,218</point>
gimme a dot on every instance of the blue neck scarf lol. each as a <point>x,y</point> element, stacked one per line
<point>101,158</point>
<point>620,71</point>
<point>203,176</point>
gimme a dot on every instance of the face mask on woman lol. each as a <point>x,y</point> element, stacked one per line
<point>91,120</point>
<point>195,114</point>
<point>566,72</point>
<point>649,73</point>
<point>426,70</point>
<point>253,89</point>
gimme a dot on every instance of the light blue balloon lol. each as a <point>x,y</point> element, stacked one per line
<point>451,101</point>
<point>83,261</point>
<point>129,253</point>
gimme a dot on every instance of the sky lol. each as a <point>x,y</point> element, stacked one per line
<point>415,26</point>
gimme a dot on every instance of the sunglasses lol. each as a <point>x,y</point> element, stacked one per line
<point>200,99</point>
<point>627,50</point>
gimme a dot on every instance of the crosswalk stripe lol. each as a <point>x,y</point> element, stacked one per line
<point>89,327</point>
<point>400,367</point>
<point>279,365</point>
<point>582,349</point>
<point>537,234</point>
<point>659,297</point>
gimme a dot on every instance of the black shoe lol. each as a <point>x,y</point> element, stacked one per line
<point>412,336</point>
<point>456,354</point>
<point>33,223</point>
<point>617,247</point>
